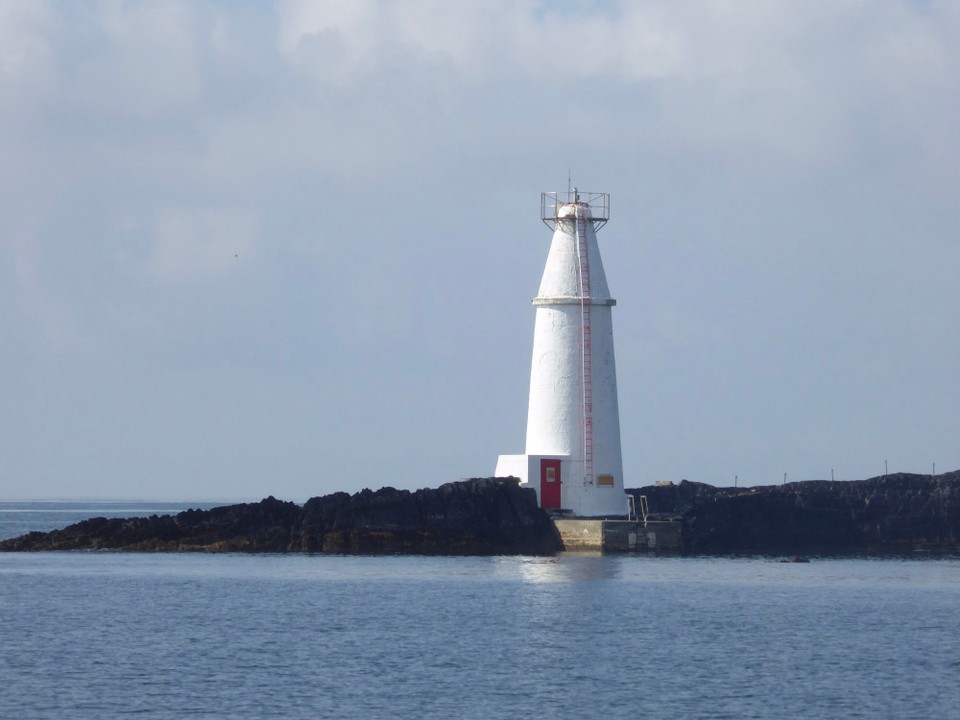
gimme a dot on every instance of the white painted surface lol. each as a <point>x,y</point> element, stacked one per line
<point>527,468</point>
<point>555,413</point>
<point>514,466</point>
<point>561,274</point>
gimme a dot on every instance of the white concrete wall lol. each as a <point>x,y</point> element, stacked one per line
<point>514,466</point>
<point>561,276</point>
<point>553,417</point>
<point>527,468</point>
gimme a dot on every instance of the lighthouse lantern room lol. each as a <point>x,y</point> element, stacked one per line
<point>573,457</point>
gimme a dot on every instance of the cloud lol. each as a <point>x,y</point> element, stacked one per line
<point>24,39</point>
<point>202,244</point>
<point>144,63</point>
<point>47,316</point>
<point>787,81</point>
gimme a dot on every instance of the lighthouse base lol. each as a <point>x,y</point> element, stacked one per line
<point>558,481</point>
<point>615,536</point>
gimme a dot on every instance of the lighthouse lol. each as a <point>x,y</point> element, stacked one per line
<point>572,456</point>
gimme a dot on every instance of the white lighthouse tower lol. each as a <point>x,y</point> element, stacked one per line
<point>573,457</point>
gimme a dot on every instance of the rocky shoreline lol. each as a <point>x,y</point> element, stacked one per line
<point>482,516</point>
<point>895,514</point>
<point>902,514</point>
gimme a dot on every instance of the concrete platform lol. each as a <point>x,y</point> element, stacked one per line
<point>589,534</point>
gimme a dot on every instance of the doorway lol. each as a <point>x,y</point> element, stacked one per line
<point>550,484</point>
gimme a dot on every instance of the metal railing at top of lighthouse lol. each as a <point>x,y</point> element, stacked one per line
<point>598,203</point>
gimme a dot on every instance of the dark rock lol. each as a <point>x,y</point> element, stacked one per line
<point>901,513</point>
<point>475,517</point>
<point>252,527</point>
<point>489,516</point>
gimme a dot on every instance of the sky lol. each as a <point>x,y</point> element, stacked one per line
<point>254,248</point>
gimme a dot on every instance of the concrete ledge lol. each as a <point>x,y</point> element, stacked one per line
<point>572,301</point>
<point>617,535</point>
<point>663,535</point>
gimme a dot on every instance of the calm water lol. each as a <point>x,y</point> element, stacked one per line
<point>102,635</point>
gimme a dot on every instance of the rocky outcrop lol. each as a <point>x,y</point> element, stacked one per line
<point>251,527</point>
<point>473,517</point>
<point>478,517</point>
<point>893,514</point>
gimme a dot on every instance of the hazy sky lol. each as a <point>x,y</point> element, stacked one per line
<point>252,249</point>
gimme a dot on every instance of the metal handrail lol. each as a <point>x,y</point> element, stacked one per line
<point>597,202</point>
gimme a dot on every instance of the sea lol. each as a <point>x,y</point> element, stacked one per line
<point>188,635</point>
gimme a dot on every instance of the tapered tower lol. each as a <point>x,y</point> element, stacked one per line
<point>573,456</point>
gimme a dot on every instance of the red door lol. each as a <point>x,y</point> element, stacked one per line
<point>550,484</point>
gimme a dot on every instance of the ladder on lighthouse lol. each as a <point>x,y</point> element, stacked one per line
<point>586,341</point>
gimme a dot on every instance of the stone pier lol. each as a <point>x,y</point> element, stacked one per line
<point>618,536</point>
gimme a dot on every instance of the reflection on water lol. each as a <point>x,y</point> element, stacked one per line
<point>568,567</point>
<point>591,566</point>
